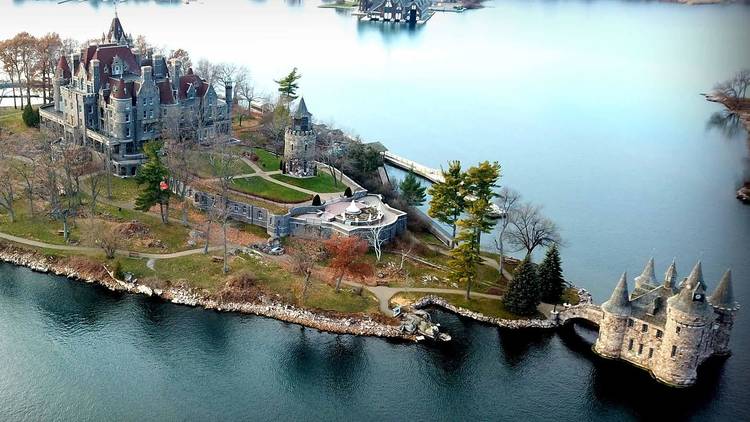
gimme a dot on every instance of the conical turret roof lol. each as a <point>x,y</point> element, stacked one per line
<point>723,297</point>
<point>301,109</point>
<point>692,296</point>
<point>619,303</point>
<point>647,277</point>
<point>670,277</point>
<point>63,68</point>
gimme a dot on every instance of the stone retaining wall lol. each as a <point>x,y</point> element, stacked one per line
<point>500,322</point>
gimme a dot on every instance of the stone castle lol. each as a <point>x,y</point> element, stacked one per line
<point>114,99</point>
<point>665,328</point>
<point>299,144</point>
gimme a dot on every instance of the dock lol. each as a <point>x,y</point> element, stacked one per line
<point>433,175</point>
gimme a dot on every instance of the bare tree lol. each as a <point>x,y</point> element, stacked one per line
<point>275,125</point>
<point>223,160</point>
<point>735,89</point>
<point>529,228</point>
<point>206,70</point>
<point>179,148</point>
<point>376,240</point>
<point>183,56</point>
<point>507,200</point>
<point>47,51</point>
<point>95,177</point>
<point>101,236</point>
<point>7,188</point>
<point>27,172</point>
<point>304,255</point>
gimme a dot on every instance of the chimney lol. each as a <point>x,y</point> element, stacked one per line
<point>146,73</point>
<point>95,74</point>
<point>228,96</point>
<point>76,63</point>
<point>175,72</point>
<point>159,66</point>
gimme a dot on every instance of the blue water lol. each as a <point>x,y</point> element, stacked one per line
<point>592,108</point>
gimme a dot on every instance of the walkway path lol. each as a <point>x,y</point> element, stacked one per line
<point>267,176</point>
<point>121,252</point>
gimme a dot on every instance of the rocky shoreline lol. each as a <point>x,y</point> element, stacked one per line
<point>439,302</point>
<point>354,325</point>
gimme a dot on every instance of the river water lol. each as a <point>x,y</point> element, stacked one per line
<point>592,108</point>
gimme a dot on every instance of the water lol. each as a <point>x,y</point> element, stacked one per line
<point>592,108</point>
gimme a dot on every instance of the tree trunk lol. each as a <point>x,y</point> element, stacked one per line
<point>468,288</point>
<point>184,212</point>
<point>453,238</point>
<point>501,261</point>
<point>13,90</point>
<point>224,230</point>
<point>338,282</point>
<point>31,204</point>
<point>304,285</point>
<point>161,212</point>
<point>208,237</point>
<point>65,229</point>
<point>109,175</point>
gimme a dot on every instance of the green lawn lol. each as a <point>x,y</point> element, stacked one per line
<point>202,166</point>
<point>268,161</point>
<point>260,187</point>
<point>489,307</point>
<point>124,190</point>
<point>276,209</point>
<point>322,183</point>
<point>10,119</point>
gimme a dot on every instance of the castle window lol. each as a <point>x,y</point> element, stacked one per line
<point>659,333</point>
<point>674,350</point>
<point>640,348</point>
<point>630,344</point>
<point>644,328</point>
<point>630,322</point>
<point>677,330</point>
<point>127,117</point>
<point>650,352</point>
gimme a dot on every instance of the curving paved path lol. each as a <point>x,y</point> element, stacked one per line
<point>121,252</point>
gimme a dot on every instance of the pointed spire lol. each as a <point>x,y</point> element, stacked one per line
<point>723,297</point>
<point>301,109</point>
<point>619,303</point>
<point>696,277</point>
<point>647,277</point>
<point>670,277</point>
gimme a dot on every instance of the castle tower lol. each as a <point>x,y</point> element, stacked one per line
<point>670,277</point>
<point>686,333</point>
<point>614,321</point>
<point>175,73</point>
<point>228,95</point>
<point>647,279</point>
<point>62,77</point>
<point>722,301</point>
<point>299,144</point>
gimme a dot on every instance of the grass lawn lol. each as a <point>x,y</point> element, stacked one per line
<point>202,166</point>
<point>268,161</point>
<point>570,295</point>
<point>40,228</point>
<point>10,119</point>
<point>201,272</point>
<point>265,189</point>
<point>123,190</point>
<point>322,183</point>
<point>276,209</point>
<point>489,307</point>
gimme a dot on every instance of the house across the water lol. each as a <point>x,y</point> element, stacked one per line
<point>399,11</point>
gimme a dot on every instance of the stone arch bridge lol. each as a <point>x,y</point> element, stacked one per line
<point>585,311</point>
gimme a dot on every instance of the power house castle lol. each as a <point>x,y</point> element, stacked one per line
<point>665,328</point>
<point>114,99</point>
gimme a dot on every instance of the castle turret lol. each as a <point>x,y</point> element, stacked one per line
<point>299,144</point>
<point>647,279</point>
<point>616,312</point>
<point>670,277</point>
<point>686,332</point>
<point>722,301</point>
<point>228,96</point>
<point>62,78</point>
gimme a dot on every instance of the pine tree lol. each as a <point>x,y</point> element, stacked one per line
<point>288,85</point>
<point>448,202</point>
<point>316,200</point>
<point>551,281</point>
<point>151,175</point>
<point>412,191</point>
<point>30,116</point>
<point>466,257</point>
<point>348,192</point>
<point>523,293</point>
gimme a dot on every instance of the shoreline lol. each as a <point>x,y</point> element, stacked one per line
<point>331,322</point>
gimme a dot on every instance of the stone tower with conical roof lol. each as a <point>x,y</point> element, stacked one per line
<point>616,312</point>
<point>722,301</point>
<point>299,144</point>
<point>665,329</point>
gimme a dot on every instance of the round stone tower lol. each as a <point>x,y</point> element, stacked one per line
<point>615,314</point>
<point>725,308</point>
<point>299,144</point>
<point>686,333</point>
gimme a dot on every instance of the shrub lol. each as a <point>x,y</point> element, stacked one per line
<point>348,192</point>
<point>316,200</point>
<point>117,270</point>
<point>30,116</point>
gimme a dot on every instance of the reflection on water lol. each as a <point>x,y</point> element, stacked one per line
<point>727,122</point>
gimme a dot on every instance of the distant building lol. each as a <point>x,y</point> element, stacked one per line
<point>408,11</point>
<point>115,99</point>
<point>299,144</point>
<point>667,329</point>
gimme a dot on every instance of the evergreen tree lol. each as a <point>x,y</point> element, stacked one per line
<point>348,192</point>
<point>551,281</point>
<point>465,257</point>
<point>448,203</point>
<point>316,200</point>
<point>479,185</point>
<point>412,191</point>
<point>523,293</point>
<point>288,85</point>
<point>30,116</point>
<point>151,175</point>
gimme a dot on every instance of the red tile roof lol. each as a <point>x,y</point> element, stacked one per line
<point>121,89</point>
<point>63,68</point>
<point>189,80</point>
<point>165,92</point>
<point>105,54</point>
